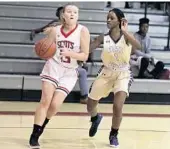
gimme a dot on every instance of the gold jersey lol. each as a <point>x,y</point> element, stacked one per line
<point>116,55</point>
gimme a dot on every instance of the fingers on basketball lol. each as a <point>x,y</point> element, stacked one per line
<point>45,48</point>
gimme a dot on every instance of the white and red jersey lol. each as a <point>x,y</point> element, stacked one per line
<point>70,41</point>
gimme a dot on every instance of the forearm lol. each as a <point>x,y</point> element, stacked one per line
<point>139,53</point>
<point>93,47</point>
<point>96,43</point>
<point>79,56</point>
<point>132,40</point>
<point>39,30</point>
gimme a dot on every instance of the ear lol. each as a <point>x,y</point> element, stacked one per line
<point>62,17</point>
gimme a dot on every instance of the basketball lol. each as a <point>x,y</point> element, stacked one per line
<point>45,48</point>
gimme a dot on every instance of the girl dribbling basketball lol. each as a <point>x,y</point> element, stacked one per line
<point>59,74</point>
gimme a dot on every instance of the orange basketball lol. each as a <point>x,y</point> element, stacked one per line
<point>45,48</point>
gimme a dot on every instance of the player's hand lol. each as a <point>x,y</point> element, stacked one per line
<point>50,32</point>
<point>32,35</point>
<point>47,30</point>
<point>124,24</point>
<point>65,52</point>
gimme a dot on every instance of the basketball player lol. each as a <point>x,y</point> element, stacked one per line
<point>115,75</point>
<point>82,69</point>
<point>59,74</point>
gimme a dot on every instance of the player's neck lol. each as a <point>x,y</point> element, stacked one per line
<point>115,32</point>
<point>69,27</point>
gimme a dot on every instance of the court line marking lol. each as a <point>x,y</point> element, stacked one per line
<point>101,129</point>
<point>27,113</point>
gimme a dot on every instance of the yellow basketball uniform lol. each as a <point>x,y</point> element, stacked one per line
<point>115,75</point>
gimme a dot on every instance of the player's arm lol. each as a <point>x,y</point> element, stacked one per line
<point>129,37</point>
<point>39,30</point>
<point>51,33</point>
<point>48,25</point>
<point>96,42</point>
<point>84,47</point>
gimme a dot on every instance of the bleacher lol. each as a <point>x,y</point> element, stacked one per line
<point>20,67</point>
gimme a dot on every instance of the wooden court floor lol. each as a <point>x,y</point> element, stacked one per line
<point>143,127</point>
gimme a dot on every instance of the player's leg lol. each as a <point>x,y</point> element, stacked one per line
<point>49,83</point>
<point>65,86</point>
<point>41,112</point>
<point>119,99</point>
<point>100,88</point>
<point>56,103</point>
<point>83,85</point>
<point>95,116</point>
<point>121,89</point>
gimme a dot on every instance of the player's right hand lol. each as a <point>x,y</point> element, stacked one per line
<point>50,32</point>
<point>47,30</point>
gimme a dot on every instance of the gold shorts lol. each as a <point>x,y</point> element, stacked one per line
<point>110,81</point>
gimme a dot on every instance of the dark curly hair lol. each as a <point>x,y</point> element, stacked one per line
<point>58,11</point>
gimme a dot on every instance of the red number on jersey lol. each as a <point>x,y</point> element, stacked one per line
<point>65,59</point>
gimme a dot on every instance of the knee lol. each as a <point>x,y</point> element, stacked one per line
<point>159,65</point>
<point>56,103</point>
<point>119,100</point>
<point>89,105</point>
<point>117,110</point>
<point>89,108</point>
<point>53,107</point>
<point>45,101</point>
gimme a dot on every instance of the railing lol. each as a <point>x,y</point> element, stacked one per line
<point>167,12</point>
<point>167,48</point>
<point>146,8</point>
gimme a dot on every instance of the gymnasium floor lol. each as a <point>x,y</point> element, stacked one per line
<point>143,127</point>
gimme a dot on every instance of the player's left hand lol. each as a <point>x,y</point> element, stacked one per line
<point>65,52</point>
<point>124,24</point>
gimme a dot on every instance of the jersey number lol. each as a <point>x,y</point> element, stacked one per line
<point>116,56</point>
<point>65,59</point>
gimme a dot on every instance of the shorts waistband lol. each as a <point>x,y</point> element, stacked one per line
<point>119,68</point>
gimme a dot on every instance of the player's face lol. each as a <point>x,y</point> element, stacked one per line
<point>144,28</point>
<point>71,14</point>
<point>112,20</point>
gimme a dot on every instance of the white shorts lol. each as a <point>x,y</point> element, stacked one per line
<point>64,79</point>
